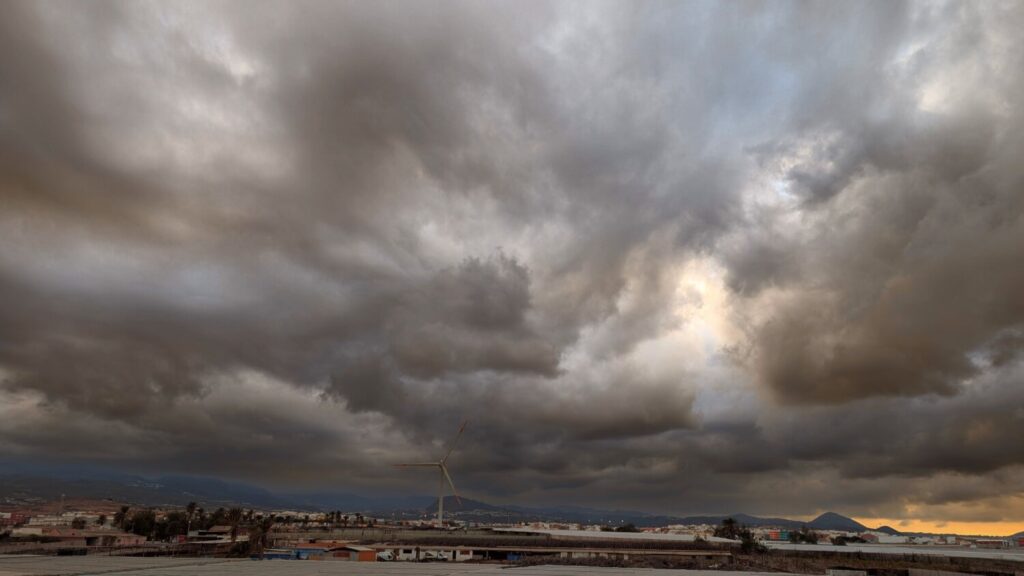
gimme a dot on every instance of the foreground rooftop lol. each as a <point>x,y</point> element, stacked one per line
<point>1009,554</point>
<point>96,565</point>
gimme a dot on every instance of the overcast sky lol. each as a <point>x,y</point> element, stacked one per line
<point>678,257</point>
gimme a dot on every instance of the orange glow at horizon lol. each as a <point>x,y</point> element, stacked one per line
<point>963,528</point>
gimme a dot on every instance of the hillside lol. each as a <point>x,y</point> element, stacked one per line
<point>20,489</point>
<point>32,487</point>
<point>833,521</point>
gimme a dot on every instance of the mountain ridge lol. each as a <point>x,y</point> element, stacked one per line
<point>178,490</point>
<point>833,521</point>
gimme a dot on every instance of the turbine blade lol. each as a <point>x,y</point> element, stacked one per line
<point>454,442</point>
<point>452,484</point>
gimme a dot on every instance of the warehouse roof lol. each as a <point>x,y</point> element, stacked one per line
<point>95,565</point>
<point>600,535</point>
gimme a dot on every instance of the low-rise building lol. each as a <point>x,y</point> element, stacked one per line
<point>83,537</point>
<point>13,518</point>
<point>418,553</point>
<point>342,551</point>
<point>991,543</point>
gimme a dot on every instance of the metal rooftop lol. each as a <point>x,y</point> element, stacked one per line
<point>599,535</point>
<point>96,565</point>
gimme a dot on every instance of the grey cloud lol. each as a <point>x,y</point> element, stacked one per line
<point>365,223</point>
<point>471,318</point>
<point>905,251</point>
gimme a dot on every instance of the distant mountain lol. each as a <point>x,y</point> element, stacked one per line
<point>356,503</point>
<point>888,530</point>
<point>758,521</point>
<point>32,486</point>
<point>827,521</point>
<point>477,511</point>
<point>586,515</point>
<point>464,505</point>
<point>833,521</point>
<point>163,491</point>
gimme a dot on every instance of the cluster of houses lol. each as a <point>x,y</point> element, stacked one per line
<point>8,519</point>
<point>80,537</point>
<point>868,537</point>
<point>781,535</point>
<point>82,529</point>
<point>69,529</point>
<point>876,537</point>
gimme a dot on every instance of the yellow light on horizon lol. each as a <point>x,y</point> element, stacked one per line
<point>952,527</point>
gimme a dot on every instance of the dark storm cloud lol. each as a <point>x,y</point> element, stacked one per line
<point>655,253</point>
<point>901,267</point>
<point>906,274</point>
<point>469,319</point>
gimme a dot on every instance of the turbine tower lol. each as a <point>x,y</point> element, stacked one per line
<point>444,475</point>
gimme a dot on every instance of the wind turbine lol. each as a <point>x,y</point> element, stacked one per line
<point>445,476</point>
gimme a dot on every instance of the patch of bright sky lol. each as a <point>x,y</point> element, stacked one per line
<point>943,527</point>
<point>723,390</point>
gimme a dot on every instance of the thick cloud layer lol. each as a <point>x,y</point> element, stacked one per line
<point>662,256</point>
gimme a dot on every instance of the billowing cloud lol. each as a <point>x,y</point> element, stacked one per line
<point>662,256</point>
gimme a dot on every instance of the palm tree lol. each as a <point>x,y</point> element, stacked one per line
<point>728,529</point>
<point>121,516</point>
<point>234,519</point>
<point>190,511</point>
<point>260,535</point>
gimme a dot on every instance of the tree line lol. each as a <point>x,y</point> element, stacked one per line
<point>146,522</point>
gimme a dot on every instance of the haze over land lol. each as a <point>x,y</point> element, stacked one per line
<point>681,258</point>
